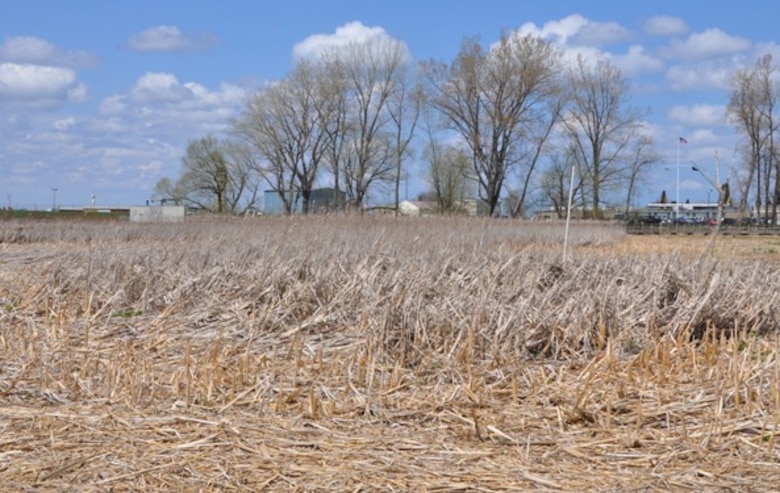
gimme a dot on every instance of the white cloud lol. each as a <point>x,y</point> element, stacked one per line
<point>170,38</point>
<point>665,25</point>
<point>768,48</point>
<point>637,61</point>
<point>35,73</point>
<point>32,50</point>
<point>699,115</point>
<point>577,30</point>
<point>150,168</point>
<point>161,102</point>
<point>578,36</point>
<point>39,84</point>
<point>559,31</point>
<point>64,123</point>
<point>159,87</point>
<point>353,32</point>
<point>112,105</point>
<point>706,75</point>
<point>136,137</point>
<point>78,93</point>
<point>601,33</point>
<point>711,43</point>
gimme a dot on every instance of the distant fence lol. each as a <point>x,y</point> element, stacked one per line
<point>701,229</point>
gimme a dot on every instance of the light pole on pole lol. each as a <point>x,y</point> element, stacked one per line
<point>53,199</point>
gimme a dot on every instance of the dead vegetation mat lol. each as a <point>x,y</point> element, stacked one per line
<point>357,354</point>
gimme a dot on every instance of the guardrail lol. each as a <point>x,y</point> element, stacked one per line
<point>700,229</point>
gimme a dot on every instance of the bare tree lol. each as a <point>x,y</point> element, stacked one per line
<point>488,97</point>
<point>370,74</point>
<point>600,126</point>
<point>642,154</point>
<point>556,179</point>
<point>337,124</point>
<point>244,192</point>
<point>285,125</point>
<point>540,125</point>
<point>449,170</point>
<point>404,107</point>
<point>753,107</point>
<point>164,191</point>
<point>213,177</point>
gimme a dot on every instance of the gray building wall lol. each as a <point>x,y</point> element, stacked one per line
<point>160,213</point>
<point>322,199</point>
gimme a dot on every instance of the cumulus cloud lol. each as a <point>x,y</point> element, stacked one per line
<point>159,87</point>
<point>578,36</point>
<point>170,38</point>
<point>64,124</point>
<point>710,43</point>
<point>601,33</point>
<point>665,25</point>
<point>36,73</point>
<point>32,50</point>
<point>137,136</point>
<point>705,75</point>
<point>353,32</point>
<point>767,48</point>
<point>577,30</point>
<point>559,31</point>
<point>637,60</point>
<point>160,101</point>
<point>698,115</point>
<point>20,83</point>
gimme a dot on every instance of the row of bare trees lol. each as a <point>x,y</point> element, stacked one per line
<point>753,108</point>
<point>502,122</point>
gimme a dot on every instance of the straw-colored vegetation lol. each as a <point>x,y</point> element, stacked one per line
<point>357,354</point>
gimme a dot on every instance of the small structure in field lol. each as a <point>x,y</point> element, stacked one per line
<point>157,213</point>
<point>321,200</point>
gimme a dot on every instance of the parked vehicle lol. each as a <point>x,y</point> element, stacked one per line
<point>644,220</point>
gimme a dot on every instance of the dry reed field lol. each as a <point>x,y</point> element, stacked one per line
<point>381,354</point>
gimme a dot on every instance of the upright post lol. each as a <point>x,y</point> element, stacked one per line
<point>568,216</point>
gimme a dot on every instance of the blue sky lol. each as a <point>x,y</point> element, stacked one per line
<point>101,97</point>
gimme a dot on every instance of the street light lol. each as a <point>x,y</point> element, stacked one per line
<point>53,199</point>
<point>714,183</point>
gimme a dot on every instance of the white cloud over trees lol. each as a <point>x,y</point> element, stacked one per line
<point>352,32</point>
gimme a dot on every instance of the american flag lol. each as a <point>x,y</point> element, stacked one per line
<point>683,141</point>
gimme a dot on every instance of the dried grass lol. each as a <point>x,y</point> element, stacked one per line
<point>349,354</point>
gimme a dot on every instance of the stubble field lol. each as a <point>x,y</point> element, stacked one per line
<point>375,354</point>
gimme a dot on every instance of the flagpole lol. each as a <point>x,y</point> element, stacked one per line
<point>677,202</point>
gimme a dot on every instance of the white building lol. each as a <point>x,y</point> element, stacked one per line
<point>157,213</point>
